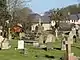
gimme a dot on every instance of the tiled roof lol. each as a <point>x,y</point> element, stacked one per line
<point>74,17</point>
<point>35,18</point>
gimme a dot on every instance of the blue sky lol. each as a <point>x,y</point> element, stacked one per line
<point>41,6</point>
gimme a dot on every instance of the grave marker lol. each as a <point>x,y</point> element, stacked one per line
<point>20,44</point>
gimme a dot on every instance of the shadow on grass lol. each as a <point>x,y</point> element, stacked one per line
<point>57,48</point>
<point>76,47</point>
<point>51,49</point>
<point>46,56</point>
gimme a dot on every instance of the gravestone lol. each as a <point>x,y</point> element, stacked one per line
<point>63,44</point>
<point>9,35</point>
<point>6,44</point>
<point>20,44</point>
<point>21,35</point>
<point>74,31</point>
<point>79,33</point>
<point>49,41</point>
<point>69,55</point>
<point>41,39</point>
<point>71,37</point>
<point>1,40</point>
<point>50,38</point>
<point>49,45</point>
<point>68,50</point>
<point>36,44</point>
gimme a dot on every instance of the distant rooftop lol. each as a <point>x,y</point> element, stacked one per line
<point>74,16</point>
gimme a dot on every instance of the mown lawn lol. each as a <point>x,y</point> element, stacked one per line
<point>36,53</point>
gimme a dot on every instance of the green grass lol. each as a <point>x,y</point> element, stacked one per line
<point>32,52</point>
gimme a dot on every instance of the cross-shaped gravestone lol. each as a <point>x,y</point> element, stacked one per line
<point>68,50</point>
<point>69,55</point>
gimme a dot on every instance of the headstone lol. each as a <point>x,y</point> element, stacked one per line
<point>20,44</point>
<point>74,31</point>
<point>5,44</point>
<point>36,44</point>
<point>49,45</point>
<point>49,41</point>
<point>1,40</point>
<point>70,38</point>
<point>63,44</point>
<point>42,46</point>
<point>21,34</point>
<point>50,38</point>
<point>41,39</point>
<point>9,35</point>
<point>79,33</point>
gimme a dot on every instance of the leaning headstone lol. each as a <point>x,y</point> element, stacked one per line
<point>5,44</point>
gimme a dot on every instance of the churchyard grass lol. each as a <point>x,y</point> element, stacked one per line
<point>36,53</point>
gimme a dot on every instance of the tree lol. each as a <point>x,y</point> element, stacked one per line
<point>4,15</point>
<point>15,5</point>
<point>22,16</point>
<point>57,16</point>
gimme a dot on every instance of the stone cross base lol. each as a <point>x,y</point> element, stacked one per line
<point>70,57</point>
<point>73,58</point>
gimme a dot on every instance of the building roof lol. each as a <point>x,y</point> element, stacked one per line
<point>45,19</point>
<point>74,17</point>
<point>35,18</point>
